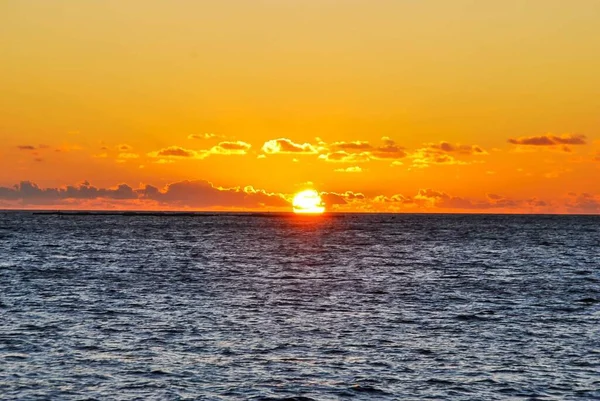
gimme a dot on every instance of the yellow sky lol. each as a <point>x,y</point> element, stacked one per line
<point>413,98</point>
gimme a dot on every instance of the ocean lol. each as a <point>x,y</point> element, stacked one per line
<point>284,307</point>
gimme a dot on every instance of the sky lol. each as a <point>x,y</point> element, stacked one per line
<point>380,105</point>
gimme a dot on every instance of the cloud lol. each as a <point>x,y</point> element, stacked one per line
<point>495,200</point>
<point>355,169</point>
<point>184,194</point>
<point>203,136</point>
<point>583,203</point>
<point>435,199</point>
<point>204,194</point>
<point>550,141</point>
<point>284,145</point>
<point>423,158</point>
<point>333,200</point>
<point>174,151</point>
<point>389,151</point>
<point>444,153</point>
<point>536,203</point>
<point>126,155</point>
<point>330,198</point>
<point>29,193</point>
<point>230,148</point>
<point>351,146</point>
<point>32,147</point>
<point>345,157</point>
<point>447,147</point>
<point>124,147</point>
<point>397,198</point>
<point>360,151</point>
<point>223,148</point>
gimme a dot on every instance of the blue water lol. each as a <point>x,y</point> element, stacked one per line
<point>235,307</point>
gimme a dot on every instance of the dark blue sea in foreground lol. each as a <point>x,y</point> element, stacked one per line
<point>263,307</point>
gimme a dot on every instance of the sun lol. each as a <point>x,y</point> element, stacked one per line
<point>308,202</point>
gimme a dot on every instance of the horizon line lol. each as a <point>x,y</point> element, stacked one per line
<point>191,213</point>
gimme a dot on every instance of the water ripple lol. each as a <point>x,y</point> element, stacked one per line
<point>223,307</point>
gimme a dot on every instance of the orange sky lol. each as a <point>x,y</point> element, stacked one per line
<point>382,105</point>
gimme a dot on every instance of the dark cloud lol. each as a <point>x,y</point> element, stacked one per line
<point>330,199</point>
<point>389,150</point>
<point>198,194</point>
<point>204,194</point>
<point>334,198</point>
<point>174,151</point>
<point>438,199</point>
<point>30,193</point>
<point>458,148</point>
<point>26,147</point>
<point>549,140</point>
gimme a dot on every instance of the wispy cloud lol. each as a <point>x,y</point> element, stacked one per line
<point>354,169</point>
<point>207,135</point>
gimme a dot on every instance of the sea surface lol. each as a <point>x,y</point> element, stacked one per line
<point>283,307</point>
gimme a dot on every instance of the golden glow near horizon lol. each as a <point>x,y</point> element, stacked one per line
<point>308,202</point>
<point>385,106</point>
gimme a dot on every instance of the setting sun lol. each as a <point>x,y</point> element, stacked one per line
<point>308,202</point>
